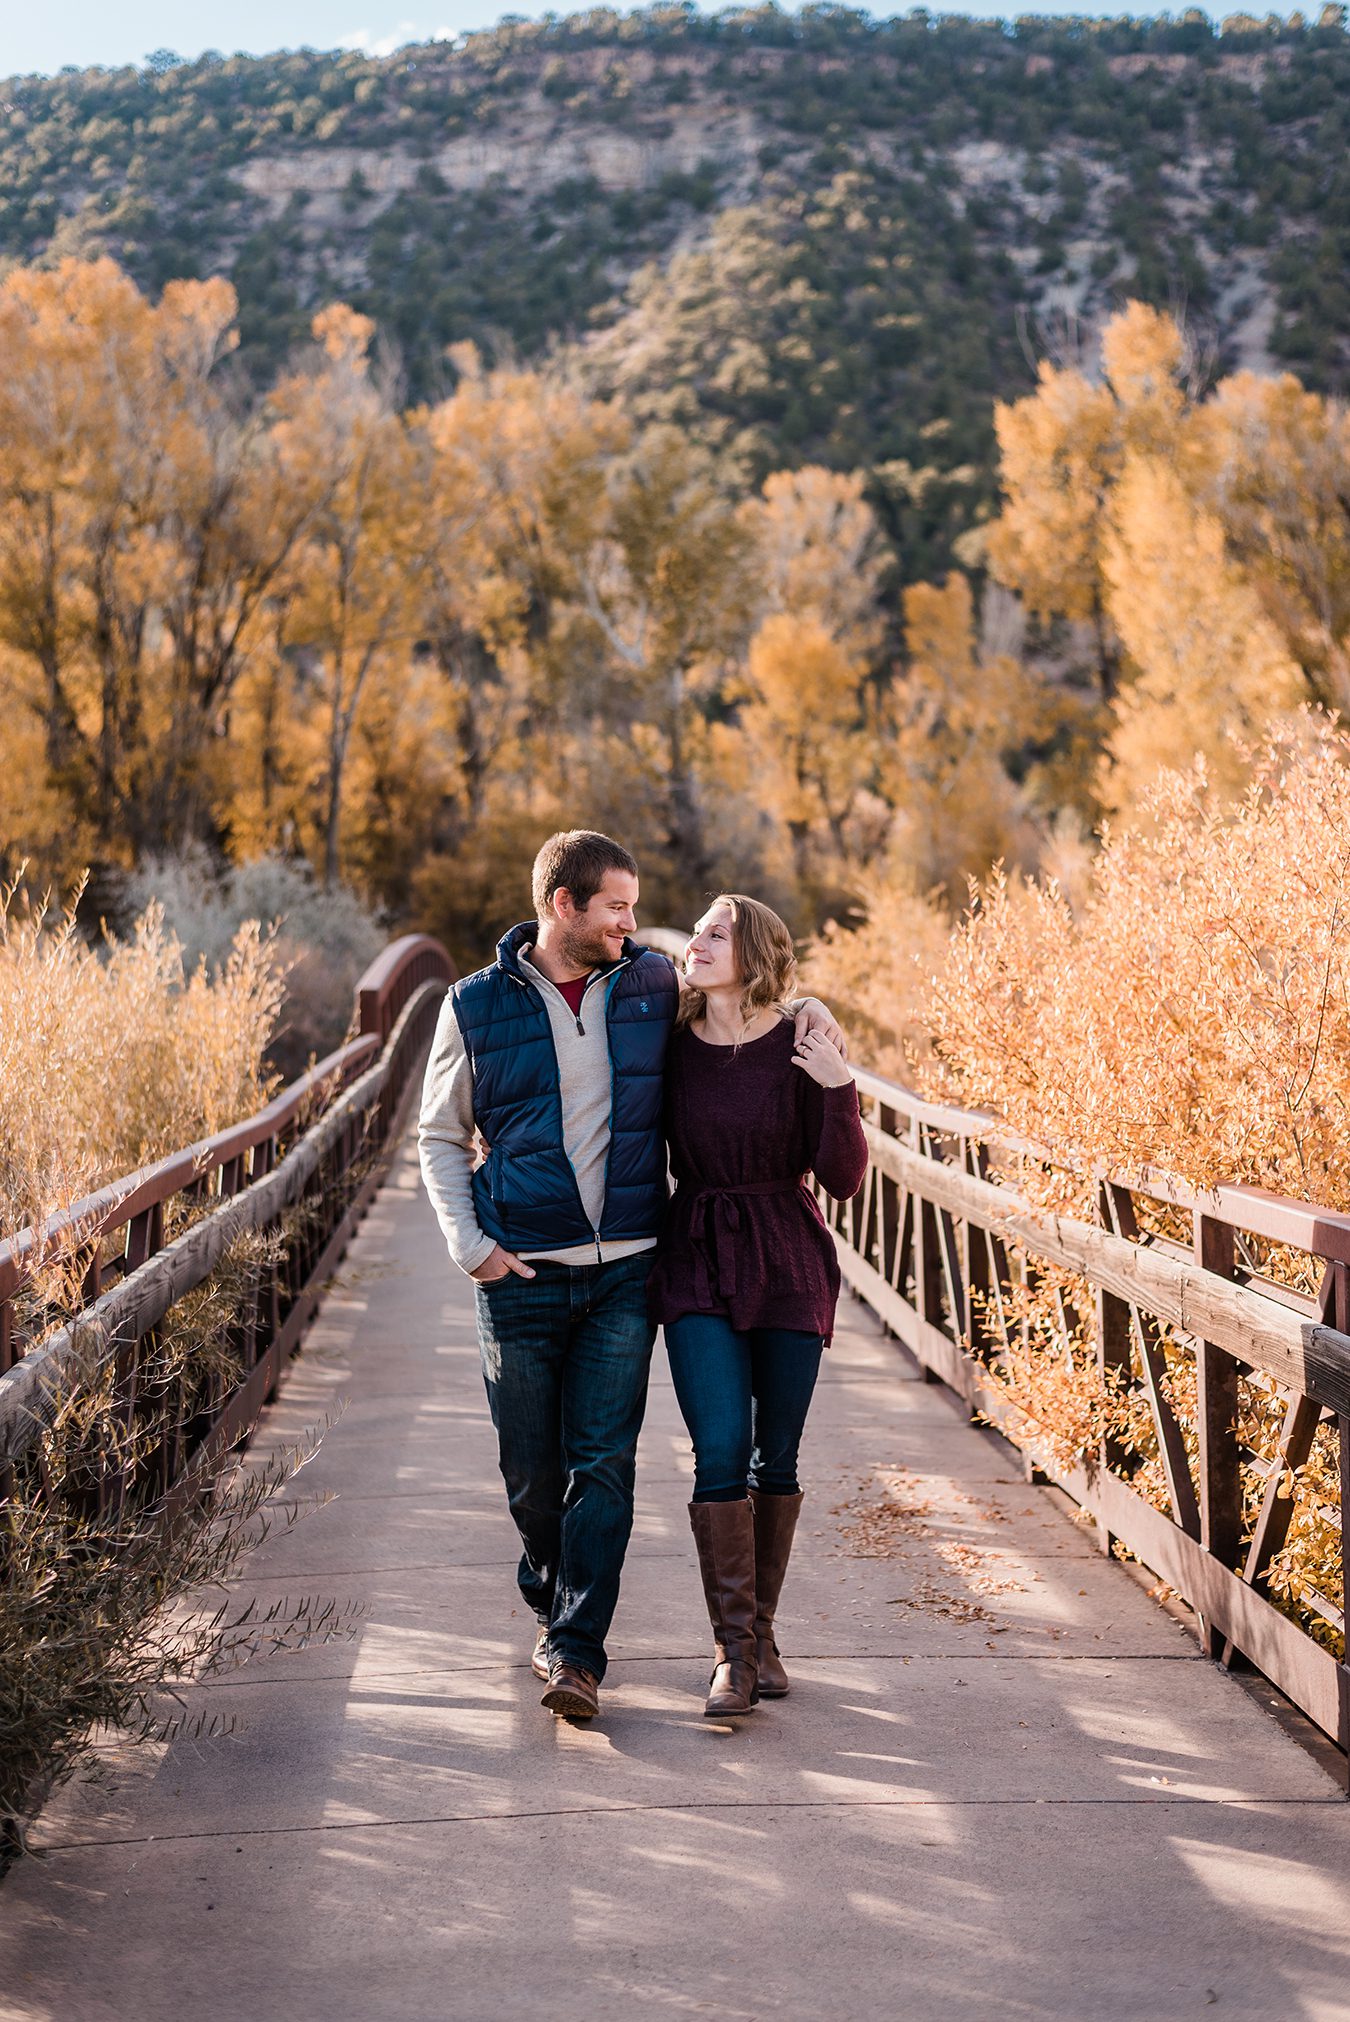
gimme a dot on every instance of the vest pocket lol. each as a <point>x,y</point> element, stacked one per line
<point>495,1174</point>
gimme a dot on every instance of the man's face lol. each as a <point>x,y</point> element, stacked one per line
<point>594,935</point>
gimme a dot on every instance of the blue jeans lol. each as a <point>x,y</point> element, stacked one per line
<point>565,1358</point>
<point>744,1397</point>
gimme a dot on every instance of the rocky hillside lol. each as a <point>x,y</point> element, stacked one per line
<point>810,236</point>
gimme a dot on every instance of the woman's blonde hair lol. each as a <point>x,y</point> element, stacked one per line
<point>761,948</point>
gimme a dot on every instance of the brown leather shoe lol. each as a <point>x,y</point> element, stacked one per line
<point>775,1525</point>
<point>539,1663</point>
<point>573,1694</point>
<point>724,1533</point>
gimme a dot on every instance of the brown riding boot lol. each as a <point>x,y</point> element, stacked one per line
<point>775,1523</point>
<point>724,1533</point>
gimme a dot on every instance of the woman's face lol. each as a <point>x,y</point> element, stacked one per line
<point>710,958</point>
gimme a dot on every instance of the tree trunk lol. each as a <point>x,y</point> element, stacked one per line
<point>684,827</point>
<point>333,818</point>
<point>1108,652</point>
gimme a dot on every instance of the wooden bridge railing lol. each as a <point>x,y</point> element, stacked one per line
<point>304,1167</point>
<point>945,1255</point>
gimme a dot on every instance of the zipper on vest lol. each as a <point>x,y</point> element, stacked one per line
<point>580,1027</point>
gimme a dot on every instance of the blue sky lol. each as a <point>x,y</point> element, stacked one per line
<point>33,37</point>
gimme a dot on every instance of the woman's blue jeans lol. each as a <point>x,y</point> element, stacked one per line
<point>744,1396</point>
<point>565,1359</point>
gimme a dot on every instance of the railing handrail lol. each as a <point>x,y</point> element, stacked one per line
<point>392,977</point>
<point>138,1301</point>
<point>1243,1319</point>
<point>943,1250</point>
<point>1280,1218</point>
<point>379,997</point>
<point>151,1185</point>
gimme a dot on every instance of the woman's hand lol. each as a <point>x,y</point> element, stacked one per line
<point>810,1015</point>
<point>822,1060</point>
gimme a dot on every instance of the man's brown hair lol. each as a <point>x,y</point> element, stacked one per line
<point>576,860</point>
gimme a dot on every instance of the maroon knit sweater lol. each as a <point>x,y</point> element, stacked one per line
<point>743,1235</point>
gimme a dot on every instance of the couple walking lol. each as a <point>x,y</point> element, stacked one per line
<point>577,1058</point>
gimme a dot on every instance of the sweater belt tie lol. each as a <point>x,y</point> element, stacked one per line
<point>714,1213</point>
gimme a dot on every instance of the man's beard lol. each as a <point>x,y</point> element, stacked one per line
<point>584,947</point>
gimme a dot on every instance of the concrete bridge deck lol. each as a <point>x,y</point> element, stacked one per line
<point>1006,1784</point>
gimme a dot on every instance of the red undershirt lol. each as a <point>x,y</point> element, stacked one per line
<point>574,992</point>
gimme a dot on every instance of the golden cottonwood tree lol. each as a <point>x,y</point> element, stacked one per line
<point>1272,463</point>
<point>802,732</point>
<point>355,574</point>
<point>821,552</point>
<point>518,467</point>
<point>1212,668</point>
<point>1061,450</point>
<point>669,585</point>
<point>142,526</point>
<point>1058,458</point>
<point>805,731</point>
<point>77,525</point>
<point>956,719</point>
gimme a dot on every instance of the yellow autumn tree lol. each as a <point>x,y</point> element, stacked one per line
<point>353,607</point>
<point>518,464</point>
<point>802,731</point>
<point>1272,463</point>
<point>517,468</point>
<point>96,438</point>
<point>821,552</point>
<point>668,583</point>
<point>805,734</point>
<point>1144,359</point>
<point>957,716</point>
<point>1213,674</point>
<point>1058,458</point>
<point>143,531</point>
<point>1062,450</point>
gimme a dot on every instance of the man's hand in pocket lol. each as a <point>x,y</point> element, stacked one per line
<point>500,1263</point>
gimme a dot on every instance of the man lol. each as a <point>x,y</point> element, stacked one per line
<point>555,1054</point>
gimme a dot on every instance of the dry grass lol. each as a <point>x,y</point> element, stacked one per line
<point>112,1056</point>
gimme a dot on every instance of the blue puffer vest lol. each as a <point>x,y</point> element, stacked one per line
<point>526,1193</point>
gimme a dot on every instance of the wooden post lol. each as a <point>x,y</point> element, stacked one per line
<point>859,1215</point>
<point>1337,1308</point>
<point>1113,1355</point>
<point>974,1265</point>
<point>927,1259</point>
<point>1343,1669</point>
<point>1220,1469</point>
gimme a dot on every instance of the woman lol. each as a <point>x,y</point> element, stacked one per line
<point>746,1277</point>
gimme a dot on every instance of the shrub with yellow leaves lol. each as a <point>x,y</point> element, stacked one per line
<point>876,974</point>
<point>112,1057</point>
<point>1192,1015</point>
